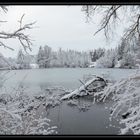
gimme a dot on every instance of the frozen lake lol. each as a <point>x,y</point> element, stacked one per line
<point>70,120</point>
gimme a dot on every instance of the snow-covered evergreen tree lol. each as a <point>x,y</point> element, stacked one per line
<point>69,58</point>
<point>3,64</point>
<point>20,59</point>
<point>47,56</point>
<point>96,54</point>
<point>121,49</point>
<point>128,60</point>
<point>40,56</point>
<point>44,57</point>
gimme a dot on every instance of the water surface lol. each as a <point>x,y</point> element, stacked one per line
<point>70,120</point>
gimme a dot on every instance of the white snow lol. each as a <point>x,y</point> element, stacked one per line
<point>77,91</point>
<point>126,97</point>
<point>19,115</point>
<point>34,66</point>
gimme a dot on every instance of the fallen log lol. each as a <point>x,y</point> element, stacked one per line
<point>94,85</point>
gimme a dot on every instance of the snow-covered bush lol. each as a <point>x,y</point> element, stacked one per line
<point>107,61</point>
<point>104,62</point>
<point>126,97</point>
<point>19,114</point>
<point>26,124</point>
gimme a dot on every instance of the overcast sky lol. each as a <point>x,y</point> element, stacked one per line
<point>56,26</point>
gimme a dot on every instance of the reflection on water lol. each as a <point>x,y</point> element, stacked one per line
<point>82,118</point>
<point>95,120</point>
<point>65,77</point>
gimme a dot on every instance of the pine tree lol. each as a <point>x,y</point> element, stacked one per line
<point>47,56</point>
<point>20,59</point>
<point>40,57</point>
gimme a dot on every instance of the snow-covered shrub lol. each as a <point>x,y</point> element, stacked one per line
<point>19,115</point>
<point>8,122</point>
<point>5,98</point>
<point>26,124</point>
<point>25,110</point>
<point>107,61</point>
<point>126,97</point>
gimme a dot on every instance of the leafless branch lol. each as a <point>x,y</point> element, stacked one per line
<point>4,8</point>
<point>133,29</point>
<point>110,13</point>
<point>89,10</point>
<point>2,44</point>
<point>24,39</point>
<point>3,21</point>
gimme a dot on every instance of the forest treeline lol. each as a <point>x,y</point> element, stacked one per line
<point>122,56</point>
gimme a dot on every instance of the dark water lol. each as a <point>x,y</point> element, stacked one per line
<point>95,121</point>
<point>70,119</point>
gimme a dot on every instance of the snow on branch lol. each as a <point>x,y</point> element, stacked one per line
<point>111,14</point>
<point>133,30</point>
<point>96,84</point>
<point>19,114</point>
<point>24,39</point>
<point>4,8</point>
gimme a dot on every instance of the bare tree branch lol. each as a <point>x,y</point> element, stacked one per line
<point>24,39</point>
<point>2,44</point>
<point>3,21</point>
<point>133,29</point>
<point>111,13</point>
<point>4,8</point>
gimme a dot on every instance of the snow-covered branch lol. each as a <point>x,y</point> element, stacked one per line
<point>24,39</point>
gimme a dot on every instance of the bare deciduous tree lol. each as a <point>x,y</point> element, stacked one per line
<point>19,34</point>
<point>111,14</point>
<point>126,91</point>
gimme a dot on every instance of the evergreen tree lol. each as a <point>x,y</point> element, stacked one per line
<point>40,57</point>
<point>20,59</point>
